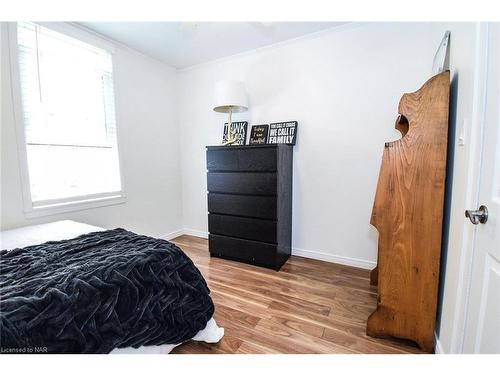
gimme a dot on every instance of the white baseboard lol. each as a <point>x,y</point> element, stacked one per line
<point>172,235</point>
<point>354,262</point>
<point>194,232</point>
<point>347,261</point>
<point>180,232</point>
<point>438,349</point>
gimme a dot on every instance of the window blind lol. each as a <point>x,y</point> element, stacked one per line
<point>68,111</point>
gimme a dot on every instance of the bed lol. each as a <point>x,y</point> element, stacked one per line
<point>72,287</point>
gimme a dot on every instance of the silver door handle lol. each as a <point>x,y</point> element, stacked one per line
<point>477,216</point>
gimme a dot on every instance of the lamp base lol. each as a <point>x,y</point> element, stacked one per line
<point>230,138</point>
<point>230,132</point>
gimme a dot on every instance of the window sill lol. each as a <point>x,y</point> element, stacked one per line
<point>76,205</point>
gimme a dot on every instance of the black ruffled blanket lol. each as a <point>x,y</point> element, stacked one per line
<point>97,292</point>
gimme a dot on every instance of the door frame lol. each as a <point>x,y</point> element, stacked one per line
<point>471,198</point>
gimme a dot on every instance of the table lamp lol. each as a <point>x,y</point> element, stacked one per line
<point>230,97</point>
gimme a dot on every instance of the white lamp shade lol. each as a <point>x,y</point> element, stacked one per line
<point>230,96</point>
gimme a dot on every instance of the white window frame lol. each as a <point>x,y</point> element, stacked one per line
<point>56,206</point>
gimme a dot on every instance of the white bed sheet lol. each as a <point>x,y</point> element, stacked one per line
<point>67,229</point>
<point>38,234</point>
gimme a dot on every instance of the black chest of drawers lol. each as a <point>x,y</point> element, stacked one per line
<point>250,203</point>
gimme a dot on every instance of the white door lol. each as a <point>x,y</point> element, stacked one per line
<point>482,330</point>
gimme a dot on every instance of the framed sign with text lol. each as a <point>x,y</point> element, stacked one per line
<point>283,132</point>
<point>258,134</point>
<point>240,129</point>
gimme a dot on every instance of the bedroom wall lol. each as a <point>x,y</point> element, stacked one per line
<point>148,141</point>
<point>343,87</point>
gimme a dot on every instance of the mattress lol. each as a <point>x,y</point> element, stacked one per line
<point>38,234</point>
<point>67,229</point>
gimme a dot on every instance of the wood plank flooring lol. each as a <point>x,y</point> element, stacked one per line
<point>309,306</point>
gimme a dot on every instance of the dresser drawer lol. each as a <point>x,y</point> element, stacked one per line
<point>247,160</point>
<point>242,183</point>
<point>243,227</point>
<point>243,250</point>
<point>242,205</point>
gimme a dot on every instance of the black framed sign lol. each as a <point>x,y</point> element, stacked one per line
<point>283,132</point>
<point>241,132</point>
<point>258,134</point>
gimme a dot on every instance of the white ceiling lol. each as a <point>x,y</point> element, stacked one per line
<point>183,44</point>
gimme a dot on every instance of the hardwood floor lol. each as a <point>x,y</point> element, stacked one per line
<point>309,306</point>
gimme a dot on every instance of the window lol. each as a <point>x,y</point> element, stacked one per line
<point>68,115</point>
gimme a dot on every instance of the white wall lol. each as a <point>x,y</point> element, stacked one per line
<point>343,87</point>
<point>148,140</point>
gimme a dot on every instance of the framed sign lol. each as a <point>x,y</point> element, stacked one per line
<point>283,132</point>
<point>258,134</point>
<point>240,129</point>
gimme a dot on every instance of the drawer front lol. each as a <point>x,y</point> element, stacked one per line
<point>243,250</point>
<point>242,183</point>
<point>246,160</point>
<point>242,205</point>
<point>242,227</point>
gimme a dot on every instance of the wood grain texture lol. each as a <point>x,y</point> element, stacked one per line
<point>309,306</point>
<point>242,183</point>
<point>261,207</point>
<point>408,213</point>
<point>248,251</point>
<point>242,158</point>
<point>243,227</point>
